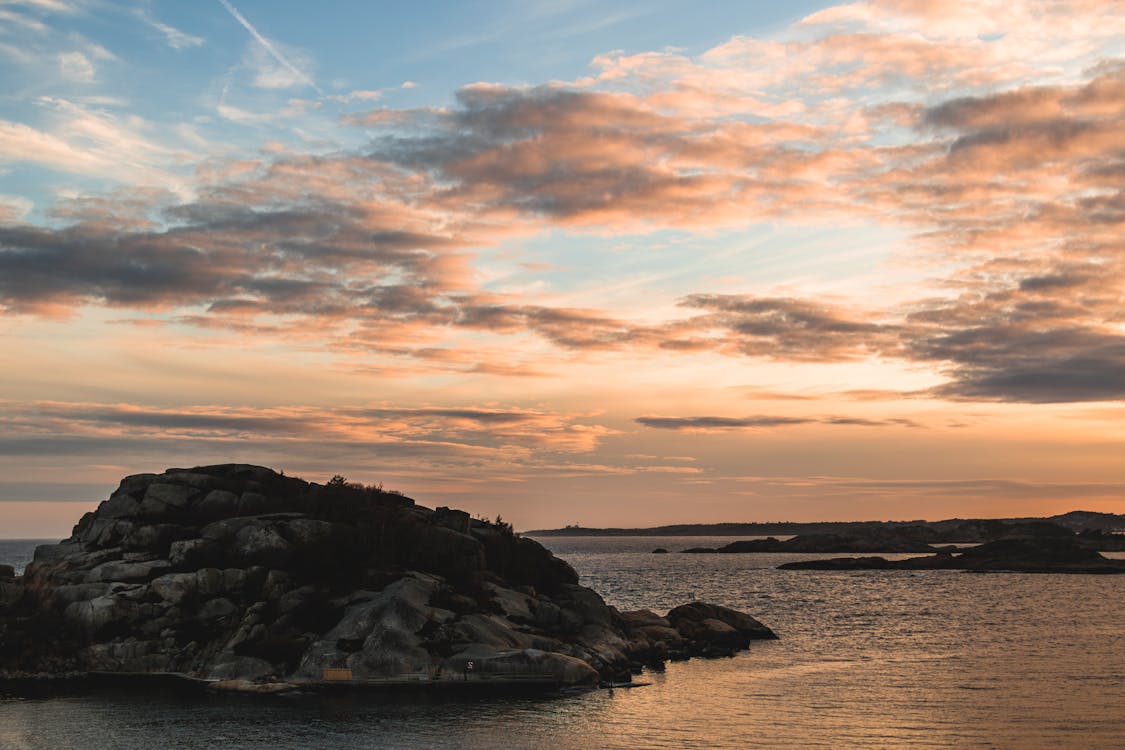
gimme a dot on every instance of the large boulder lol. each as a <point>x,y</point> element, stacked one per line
<point>378,636</point>
<point>711,626</point>
<point>115,610</point>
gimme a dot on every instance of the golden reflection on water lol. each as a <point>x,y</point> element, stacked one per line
<point>873,659</point>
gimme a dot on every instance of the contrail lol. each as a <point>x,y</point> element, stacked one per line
<point>269,47</point>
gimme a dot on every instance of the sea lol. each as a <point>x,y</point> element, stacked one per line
<point>865,659</point>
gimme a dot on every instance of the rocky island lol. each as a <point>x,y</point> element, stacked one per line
<point>243,578</point>
<point>1044,554</point>
<point>877,539</point>
<point>868,538</point>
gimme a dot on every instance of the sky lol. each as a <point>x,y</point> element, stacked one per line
<point>568,262</point>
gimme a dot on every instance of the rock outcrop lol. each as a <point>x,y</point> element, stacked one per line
<point>235,573</point>
<point>1042,554</point>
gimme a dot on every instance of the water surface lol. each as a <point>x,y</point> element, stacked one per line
<point>874,659</point>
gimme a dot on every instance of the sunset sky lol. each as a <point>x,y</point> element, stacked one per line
<point>568,261</point>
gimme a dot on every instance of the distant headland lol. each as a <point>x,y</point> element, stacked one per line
<point>1076,521</point>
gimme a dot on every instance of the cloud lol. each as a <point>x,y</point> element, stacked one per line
<point>287,74</point>
<point>763,394</point>
<point>791,329</point>
<point>586,158</point>
<point>13,208</point>
<point>296,236</point>
<point>268,73</point>
<point>76,67</point>
<point>442,448</point>
<point>360,95</point>
<point>84,140</point>
<point>875,488</point>
<point>19,142</point>
<point>719,423</point>
<point>476,430</point>
<point>713,424</point>
<point>24,21</point>
<point>1010,190</point>
<point>176,39</point>
<point>65,7</point>
<point>1030,363</point>
<point>1038,314</point>
<point>243,247</point>
<point>51,492</point>
<point>478,416</point>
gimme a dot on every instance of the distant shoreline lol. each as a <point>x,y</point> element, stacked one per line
<point>1076,520</point>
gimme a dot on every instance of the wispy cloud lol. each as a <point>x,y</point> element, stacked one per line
<point>502,441</point>
<point>76,67</point>
<point>14,208</point>
<point>24,22</point>
<point>973,490</point>
<point>85,140</point>
<point>761,421</point>
<point>270,48</point>
<point>176,39</point>
<point>52,6</point>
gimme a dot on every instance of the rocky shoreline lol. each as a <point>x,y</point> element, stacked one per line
<point>245,579</point>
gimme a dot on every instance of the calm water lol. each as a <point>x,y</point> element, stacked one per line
<point>866,659</point>
<point>18,552</point>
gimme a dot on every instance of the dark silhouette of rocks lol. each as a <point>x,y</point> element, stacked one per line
<point>1027,554</point>
<point>867,538</point>
<point>723,630</point>
<point>660,551</point>
<point>874,539</point>
<point>235,573</point>
<point>1102,540</point>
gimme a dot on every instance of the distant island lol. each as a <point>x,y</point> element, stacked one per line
<point>1010,555</point>
<point>924,538</point>
<point>976,529</point>
<point>237,577</point>
<point>1070,542</point>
